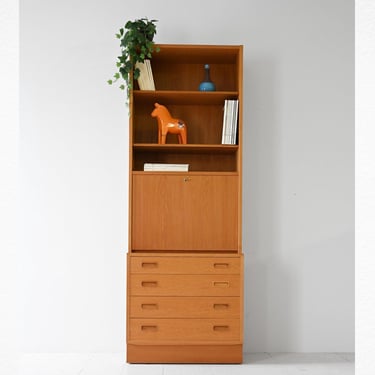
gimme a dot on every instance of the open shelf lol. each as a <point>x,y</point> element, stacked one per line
<point>182,69</point>
<point>215,158</point>
<point>184,97</point>
<point>204,121</point>
<point>178,148</point>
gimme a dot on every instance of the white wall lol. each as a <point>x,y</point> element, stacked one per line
<point>9,132</point>
<point>298,175</point>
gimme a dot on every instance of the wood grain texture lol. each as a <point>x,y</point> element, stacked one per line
<point>185,212</point>
<point>184,285</point>
<point>185,265</point>
<point>184,330</point>
<point>184,353</point>
<point>184,307</point>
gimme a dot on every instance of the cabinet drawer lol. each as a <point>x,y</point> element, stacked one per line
<point>184,307</point>
<point>184,285</point>
<point>184,330</point>
<point>185,265</point>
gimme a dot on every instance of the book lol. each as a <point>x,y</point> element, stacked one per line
<point>166,167</point>
<point>235,122</point>
<point>150,75</point>
<point>224,133</point>
<point>146,78</point>
<point>230,120</point>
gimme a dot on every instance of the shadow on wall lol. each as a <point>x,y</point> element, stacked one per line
<point>269,320</point>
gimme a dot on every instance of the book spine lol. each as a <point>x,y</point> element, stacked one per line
<point>230,122</point>
<point>235,123</point>
<point>157,167</point>
<point>146,79</point>
<point>224,130</point>
<point>150,75</point>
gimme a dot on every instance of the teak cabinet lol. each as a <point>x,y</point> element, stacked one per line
<point>185,262</point>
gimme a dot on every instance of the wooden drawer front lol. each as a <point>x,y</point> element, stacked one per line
<point>183,330</point>
<point>184,285</point>
<point>185,265</point>
<point>175,211</point>
<point>184,307</point>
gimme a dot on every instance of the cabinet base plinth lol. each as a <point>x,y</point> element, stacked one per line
<point>184,353</point>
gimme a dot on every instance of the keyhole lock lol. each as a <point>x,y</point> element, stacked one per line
<point>187,179</point>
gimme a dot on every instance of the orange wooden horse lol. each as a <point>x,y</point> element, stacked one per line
<point>168,124</point>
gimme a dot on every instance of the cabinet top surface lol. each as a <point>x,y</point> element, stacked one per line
<point>200,46</point>
<point>195,255</point>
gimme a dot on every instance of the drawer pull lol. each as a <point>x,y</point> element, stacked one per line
<point>221,265</point>
<point>148,284</point>
<point>221,284</point>
<point>221,306</point>
<point>221,328</point>
<point>149,306</point>
<point>149,265</point>
<point>149,328</point>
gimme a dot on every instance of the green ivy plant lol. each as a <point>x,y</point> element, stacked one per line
<point>137,44</point>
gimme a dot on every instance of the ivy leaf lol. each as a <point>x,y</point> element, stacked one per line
<point>124,72</point>
<point>122,58</point>
<point>110,82</point>
<point>117,75</point>
<point>122,87</point>
<point>137,73</point>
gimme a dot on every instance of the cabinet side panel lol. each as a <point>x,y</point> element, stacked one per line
<point>240,142</point>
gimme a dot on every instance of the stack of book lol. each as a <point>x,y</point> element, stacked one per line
<point>164,167</point>
<point>230,119</point>
<point>146,79</point>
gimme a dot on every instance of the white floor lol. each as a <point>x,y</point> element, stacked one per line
<point>114,364</point>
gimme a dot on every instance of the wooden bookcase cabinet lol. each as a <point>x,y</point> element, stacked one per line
<point>185,265</point>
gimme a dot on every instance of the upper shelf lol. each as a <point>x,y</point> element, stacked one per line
<point>185,97</point>
<point>203,148</point>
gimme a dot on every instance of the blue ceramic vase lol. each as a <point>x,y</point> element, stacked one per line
<point>207,84</point>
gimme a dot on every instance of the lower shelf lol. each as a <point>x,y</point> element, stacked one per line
<point>184,353</point>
